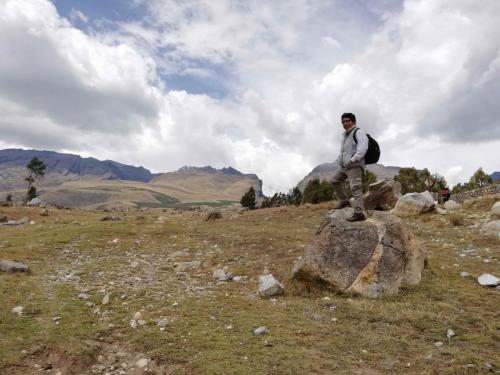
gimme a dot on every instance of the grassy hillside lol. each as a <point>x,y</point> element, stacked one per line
<point>77,260</point>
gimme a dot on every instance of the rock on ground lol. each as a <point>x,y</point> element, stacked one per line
<point>10,266</point>
<point>382,195</point>
<point>413,204</point>
<point>452,205</point>
<point>269,286</point>
<point>488,280</point>
<point>491,230</point>
<point>373,257</point>
<point>495,210</point>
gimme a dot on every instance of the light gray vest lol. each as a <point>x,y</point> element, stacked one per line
<point>348,149</point>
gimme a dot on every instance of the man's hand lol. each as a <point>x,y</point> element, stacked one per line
<point>348,164</point>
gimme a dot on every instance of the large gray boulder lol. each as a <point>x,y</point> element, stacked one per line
<point>373,257</point>
<point>413,204</point>
<point>382,195</point>
<point>495,210</point>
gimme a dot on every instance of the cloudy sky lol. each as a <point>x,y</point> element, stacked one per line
<point>259,85</point>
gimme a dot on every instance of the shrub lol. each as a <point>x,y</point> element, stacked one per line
<point>456,219</point>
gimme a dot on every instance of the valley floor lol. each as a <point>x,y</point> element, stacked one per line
<point>98,289</point>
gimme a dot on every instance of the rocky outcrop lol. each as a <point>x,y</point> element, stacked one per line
<point>413,204</point>
<point>373,257</point>
<point>382,195</point>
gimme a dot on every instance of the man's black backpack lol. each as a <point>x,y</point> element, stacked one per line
<point>373,153</point>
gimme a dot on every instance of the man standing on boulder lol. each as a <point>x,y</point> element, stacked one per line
<point>352,163</point>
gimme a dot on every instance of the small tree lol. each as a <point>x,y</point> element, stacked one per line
<point>317,192</point>
<point>8,198</point>
<point>295,196</point>
<point>480,179</point>
<point>36,168</point>
<point>248,199</point>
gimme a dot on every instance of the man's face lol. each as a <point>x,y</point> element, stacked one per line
<point>347,123</point>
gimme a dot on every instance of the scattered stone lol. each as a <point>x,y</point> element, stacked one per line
<point>115,241</point>
<point>488,280</point>
<point>438,344</point>
<point>11,266</point>
<point>221,275</point>
<point>22,221</point>
<point>413,204</point>
<point>18,310</point>
<point>110,218</point>
<point>228,327</point>
<point>495,210</point>
<point>44,212</point>
<point>141,363</point>
<point>428,358</point>
<point>261,331</point>
<point>162,323</point>
<point>105,300</point>
<point>491,230</point>
<point>464,274</point>
<point>440,211</point>
<point>269,286</point>
<point>83,296</point>
<point>185,266</point>
<point>374,257</point>
<point>452,205</point>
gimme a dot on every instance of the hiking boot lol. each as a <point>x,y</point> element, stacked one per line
<point>341,205</point>
<point>356,217</point>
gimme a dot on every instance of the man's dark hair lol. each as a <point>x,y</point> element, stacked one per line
<point>349,116</point>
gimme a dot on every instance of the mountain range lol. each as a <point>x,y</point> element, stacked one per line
<point>74,181</point>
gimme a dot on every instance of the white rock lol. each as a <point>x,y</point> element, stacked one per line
<point>440,211</point>
<point>491,230</point>
<point>83,296</point>
<point>488,280</point>
<point>162,323</point>
<point>219,274</point>
<point>18,310</point>
<point>115,241</point>
<point>141,363</point>
<point>133,323</point>
<point>464,274</point>
<point>229,327</point>
<point>269,286</point>
<point>495,210</point>
<point>260,331</point>
<point>452,205</point>
<point>412,204</point>
<point>105,299</point>
<point>137,315</point>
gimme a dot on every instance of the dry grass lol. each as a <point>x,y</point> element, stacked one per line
<point>456,219</point>
<point>312,331</point>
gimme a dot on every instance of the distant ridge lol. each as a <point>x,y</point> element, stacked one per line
<point>73,181</point>
<point>69,164</point>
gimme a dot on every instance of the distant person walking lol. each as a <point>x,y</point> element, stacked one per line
<point>352,163</point>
